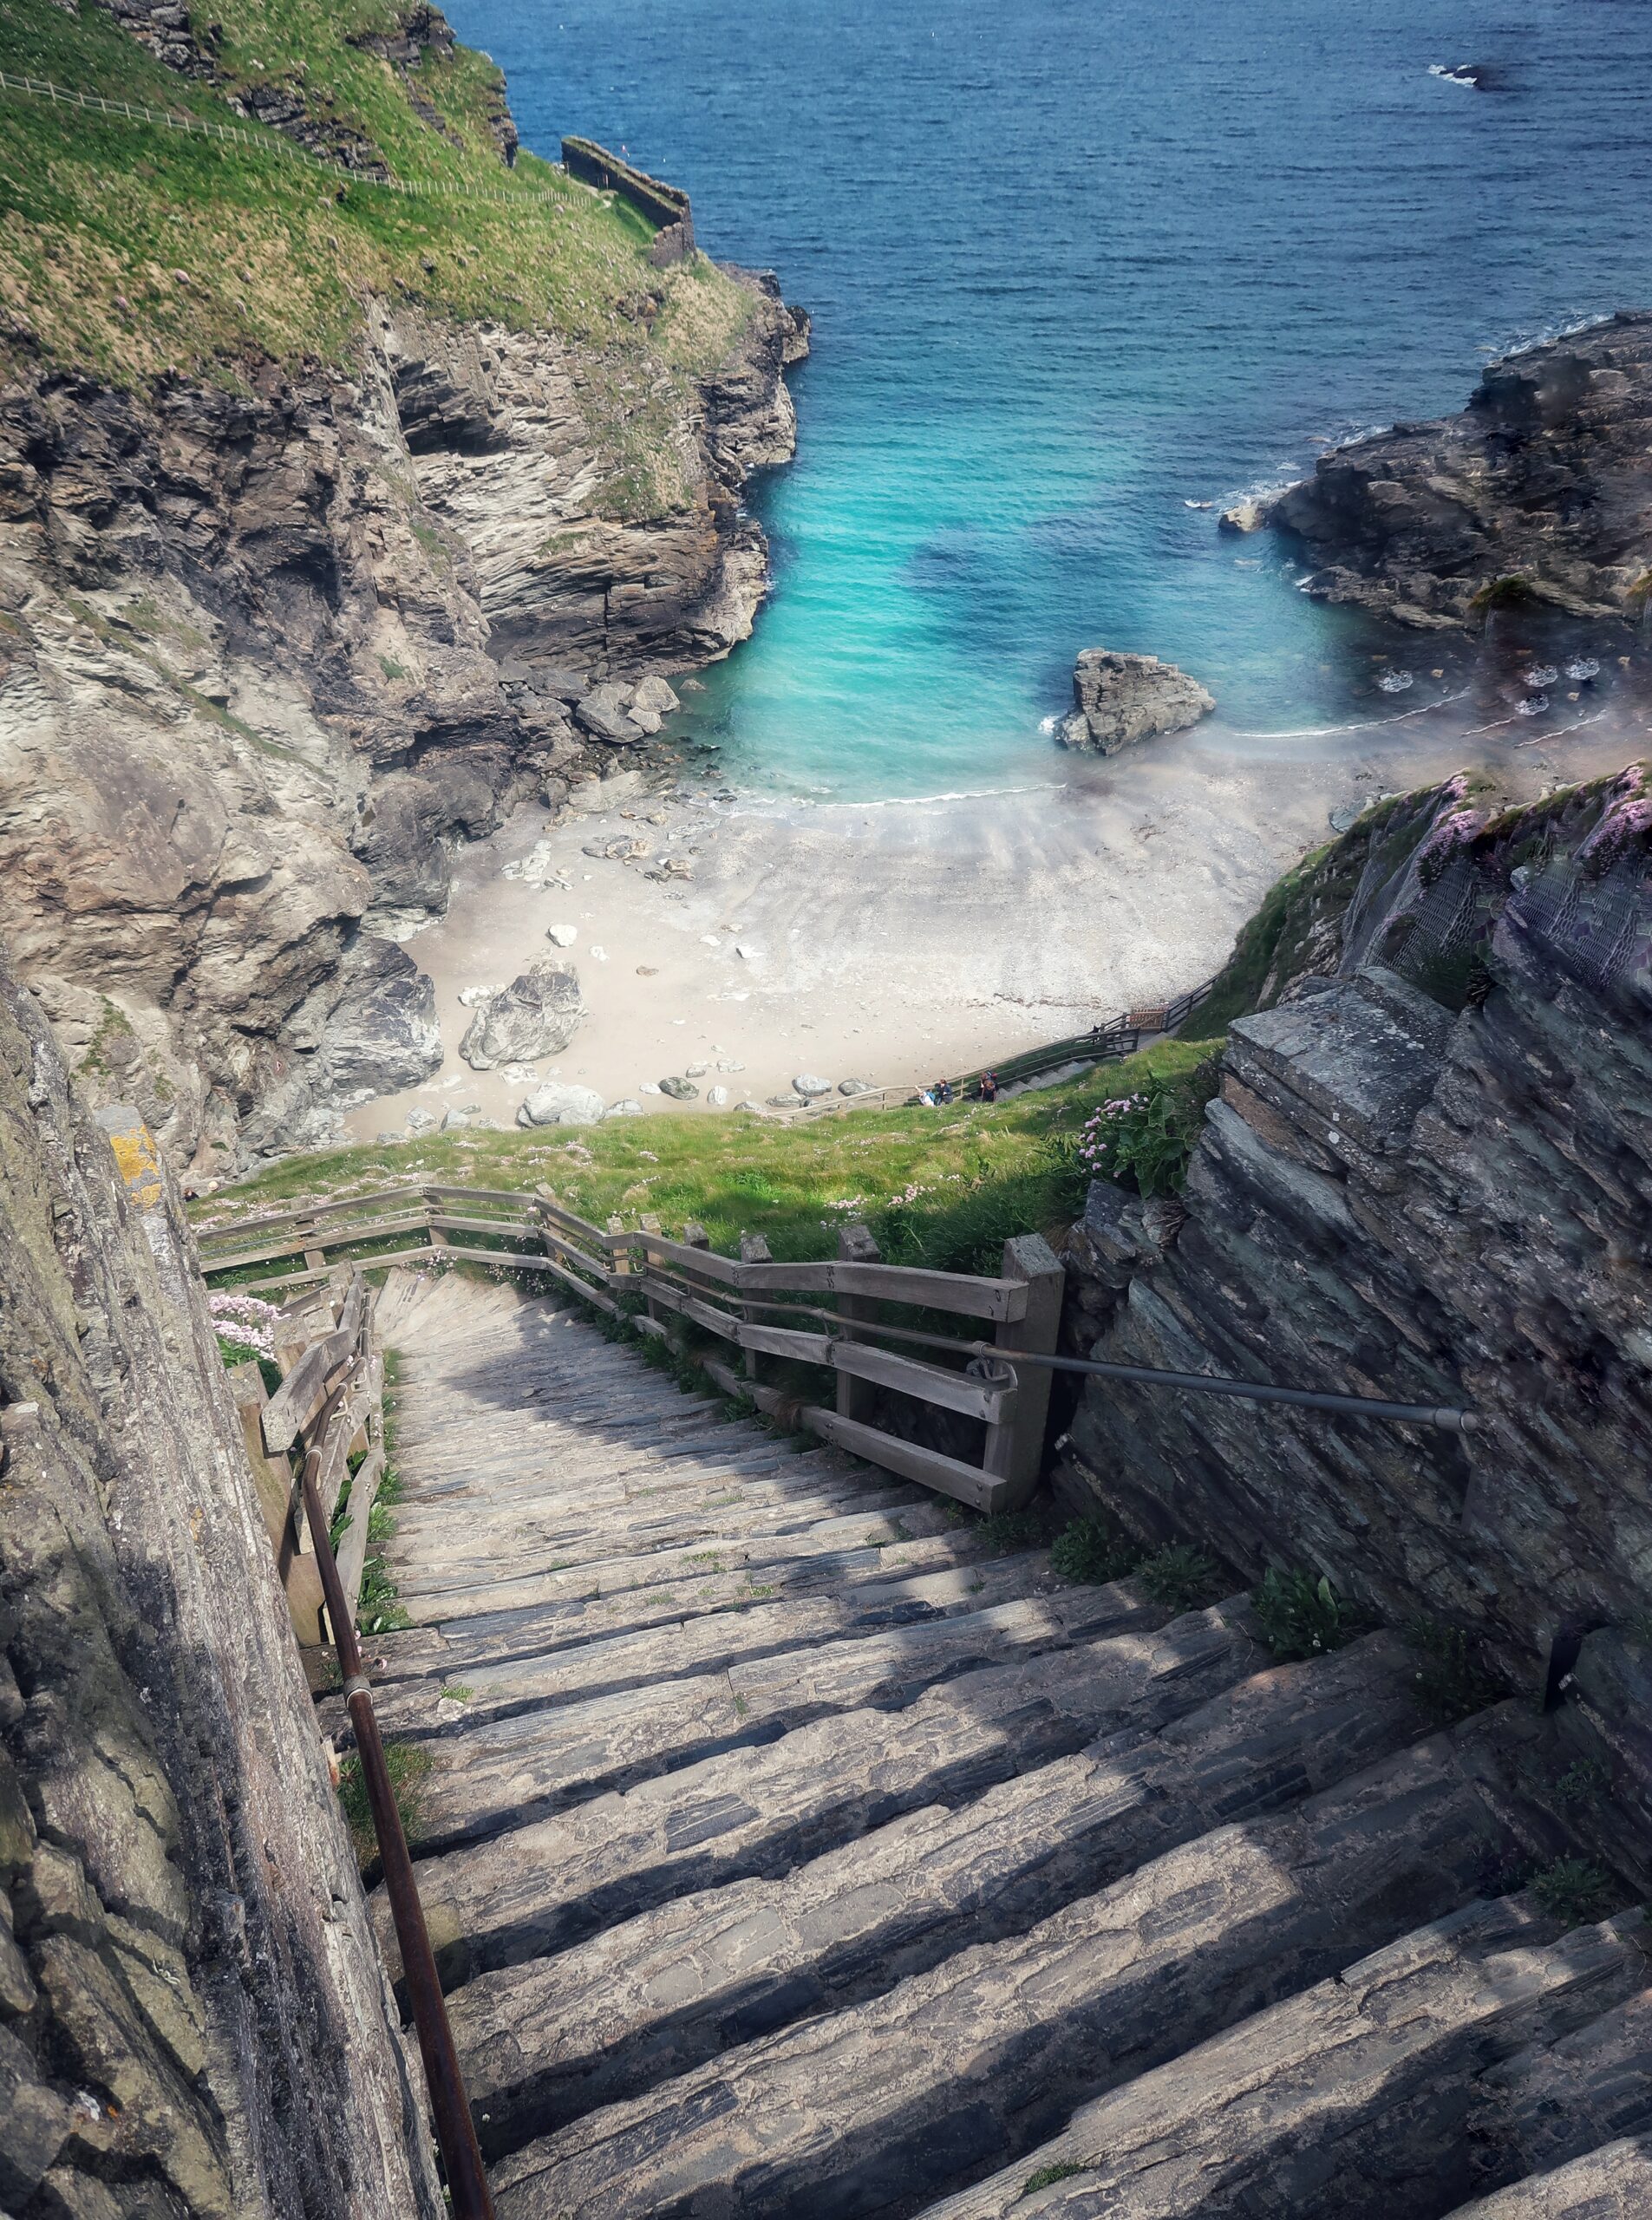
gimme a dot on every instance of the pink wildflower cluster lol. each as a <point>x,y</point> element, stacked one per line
<point>246,1319</point>
<point>1096,1141</point>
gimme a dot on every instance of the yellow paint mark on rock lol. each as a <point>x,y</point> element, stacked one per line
<point>134,1151</point>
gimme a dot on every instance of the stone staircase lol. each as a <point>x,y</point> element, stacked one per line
<point>790,1849</point>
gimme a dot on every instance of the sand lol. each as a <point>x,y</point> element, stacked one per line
<point>899,941</point>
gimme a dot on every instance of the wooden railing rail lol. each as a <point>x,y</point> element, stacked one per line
<point>831,1316</point>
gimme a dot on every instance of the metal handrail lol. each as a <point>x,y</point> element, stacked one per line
<point>450,2107</point>
<point>1449,1419</point>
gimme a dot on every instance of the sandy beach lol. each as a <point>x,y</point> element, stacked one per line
<point>894,942</point>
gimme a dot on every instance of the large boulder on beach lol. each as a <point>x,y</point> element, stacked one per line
<point>534,1016</point>
<point>1120,699</point>
<point>559,1103</point>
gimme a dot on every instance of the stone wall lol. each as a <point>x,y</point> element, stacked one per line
<point>1399,1197</point>
<point>664,205</point>
<point>193,2018</point>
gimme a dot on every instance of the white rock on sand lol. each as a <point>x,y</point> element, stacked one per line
<point>562,1104</point>
<point>562,936</point>
<point>809,1084</point>
<point>716,1098</point>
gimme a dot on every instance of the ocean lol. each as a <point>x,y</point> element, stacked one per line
<point>1077,269</point>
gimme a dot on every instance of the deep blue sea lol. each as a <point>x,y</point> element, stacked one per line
<point>1074,264</point>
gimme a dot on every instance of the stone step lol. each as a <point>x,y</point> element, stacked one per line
<point>652,1997</point>
<point>495,1680</point>
<point>636,1591</point>
<point>867,2099</point>
<point>427,1595</point>
<point>1351,2099</point>
<point>545,1885</point>
<point>501,1772</point>
<point>1613,2183</point>
<point>470,1540</point>
<point>1557,2101</point>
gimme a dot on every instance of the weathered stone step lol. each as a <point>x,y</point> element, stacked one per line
<point>495,1680</point>
<point>1350,2100</point>
<point>473,1537</point>
<point>427,1595</point>
<point>635,1591</point>
<point>759,1811</point>
<point>658,1995</point>
<point>1613,2183</point>
<point>501,1772</point>
<point>859,2112</point>
<point>1559,2101</point>
<point>947,1563</point>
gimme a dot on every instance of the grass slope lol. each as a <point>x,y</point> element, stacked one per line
<point>129,249</point>
<point>943,1187</point>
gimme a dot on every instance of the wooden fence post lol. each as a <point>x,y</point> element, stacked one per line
<point>436,1234</point>
<point>857,1245</point>
<point>1015,1446</point>
<point>753,1250</point>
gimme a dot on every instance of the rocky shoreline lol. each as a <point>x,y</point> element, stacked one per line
<point>267,655</point>
<point>1540,490</point>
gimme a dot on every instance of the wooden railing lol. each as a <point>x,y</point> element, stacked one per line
<point>329,1407</point>
<point>863,1353</point>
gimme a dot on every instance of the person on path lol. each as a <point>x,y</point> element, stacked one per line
<point>989,1087</point>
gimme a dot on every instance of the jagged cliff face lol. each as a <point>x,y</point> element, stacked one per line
<point>192,2016</point>
<point>1437,1197</point>
<point>268,648</point>
<point>1544,478</point>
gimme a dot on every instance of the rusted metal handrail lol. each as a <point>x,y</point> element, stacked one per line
<point>450,2108</point>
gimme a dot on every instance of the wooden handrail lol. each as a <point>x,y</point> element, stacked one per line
<point>684,1283</point>
<point>326,1445</point>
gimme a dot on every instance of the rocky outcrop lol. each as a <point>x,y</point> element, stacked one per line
<point>264,654</point>
<point>1539,488</point>
<point>193,2019</point>
<point>1120,699</point>
<point>538,1013</point>
<point>1427,1179</point>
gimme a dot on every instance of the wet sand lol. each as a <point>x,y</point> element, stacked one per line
<point>895,942</point>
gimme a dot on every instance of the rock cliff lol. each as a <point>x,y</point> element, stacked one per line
<point>277,628</point>
<point>193,2019</point>
<point>1427,1178</point>
<point>1542,486</point>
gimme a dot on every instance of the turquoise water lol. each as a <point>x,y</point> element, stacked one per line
<point>1073,264</point>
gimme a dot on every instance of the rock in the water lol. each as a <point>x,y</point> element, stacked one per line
<point>680,1090</point>
<point>558,1103</point>
<point>1536,493</point>
<point>854,1086</point>
<point>535,1015</point>
<point>809,1084</point>
<point>1123,698</point>
<point>1248,515</point>
<point>562,936</point>
<point>652,693</point>
<point>716,1098</point>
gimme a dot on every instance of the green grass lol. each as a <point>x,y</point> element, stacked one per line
<point>1574,1891</point>
<point>129,249</point>
<point>1047,2177</point>
<point>1094,1551</point>
<point>943,1188</point>
<point>407,1763</point>
<point>1298,1615</point>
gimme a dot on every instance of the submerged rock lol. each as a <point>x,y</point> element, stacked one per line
<point>558,1103</point>
<point>1248,515</point>
<point>1121,699</point>
<point>535,1015</point>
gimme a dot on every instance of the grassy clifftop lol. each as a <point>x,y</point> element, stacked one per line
<point>129,249</point>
